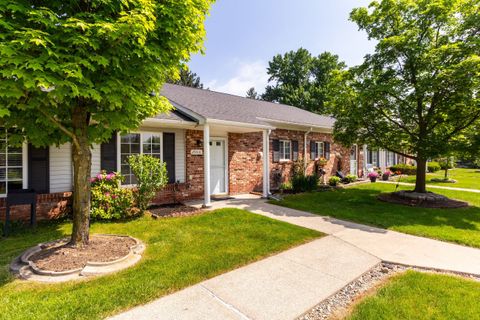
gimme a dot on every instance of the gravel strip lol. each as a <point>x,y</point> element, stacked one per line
<point>348,294</point>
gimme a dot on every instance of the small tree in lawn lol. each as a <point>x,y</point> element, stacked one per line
<point>420,90</point>
<point>78,71</point>
<point>151,174</point>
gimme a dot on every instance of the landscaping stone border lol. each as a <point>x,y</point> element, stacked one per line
<point>27,270</point>
<point>338,304</point>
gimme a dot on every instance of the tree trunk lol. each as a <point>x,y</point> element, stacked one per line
<point>81,156</point>
<point>446,172</point>
<point>420,183</point>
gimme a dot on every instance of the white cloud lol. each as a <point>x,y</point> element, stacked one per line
<point>247,75</point>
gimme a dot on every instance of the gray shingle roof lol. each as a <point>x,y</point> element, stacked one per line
<point>174,115</point>
<point>222,106</point>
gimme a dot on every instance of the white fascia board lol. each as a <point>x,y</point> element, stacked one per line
<point>168,123</point>
<point>298,126</point>
<point>238,124</point>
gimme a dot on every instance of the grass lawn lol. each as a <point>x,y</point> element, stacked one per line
<point>466,178</point>
<point>359,204</point>
<point>419,296</point>
<point>180,252</point>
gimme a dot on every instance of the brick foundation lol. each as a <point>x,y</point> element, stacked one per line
<point>49,206</point>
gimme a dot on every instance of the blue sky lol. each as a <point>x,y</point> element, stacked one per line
<point>243,35</point>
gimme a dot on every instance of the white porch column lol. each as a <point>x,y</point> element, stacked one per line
<point>266,163</point>
<point>206,166</point>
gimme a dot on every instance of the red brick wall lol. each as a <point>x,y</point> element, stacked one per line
<point>194,163</point>
<point>49,206</point>
<point>339,155</point>
<point>245,163</point>
<point>282,171</point>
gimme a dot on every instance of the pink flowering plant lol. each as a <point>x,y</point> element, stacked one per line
<point>373,174</point>
<point>109,200</point>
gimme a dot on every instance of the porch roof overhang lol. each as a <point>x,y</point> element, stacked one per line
<point>291,125</point>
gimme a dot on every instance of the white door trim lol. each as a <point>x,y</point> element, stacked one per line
<point>225,143</point>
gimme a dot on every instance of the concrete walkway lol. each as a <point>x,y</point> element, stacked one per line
<point>390,246</point>
<point>288,284</point>
<point>432,186</point>
<point>280,287</point>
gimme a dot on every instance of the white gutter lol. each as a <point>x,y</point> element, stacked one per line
<point>237,124</point>
<point>311,126</point>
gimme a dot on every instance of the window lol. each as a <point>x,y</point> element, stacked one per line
<point>285,150</point>
<point>390,158</point>
<point>151,144</point>
<point>372,157</point>
<point>129,145</point>
<point>319,150</point>
<point>11,165</point>
<point>138,143</point>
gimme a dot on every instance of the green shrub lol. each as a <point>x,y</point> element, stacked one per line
<point>349,178</point>
<point>404,169</point>
<point>286,186</point>
<point>433,166</point>
<point>109,200</point>
<point>151,174</point>
<point>302,183</point>
<point>333,181</point>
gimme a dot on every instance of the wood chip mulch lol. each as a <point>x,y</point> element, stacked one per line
<point>60,256</point>
<point>170,211</point>
<point>447,204</point>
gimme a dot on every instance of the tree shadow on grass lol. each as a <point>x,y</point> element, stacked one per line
<point>362,206</point>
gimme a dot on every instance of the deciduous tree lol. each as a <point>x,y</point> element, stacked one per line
<point>300,79</point>
<point>78,71</point>
<point>420,89</point>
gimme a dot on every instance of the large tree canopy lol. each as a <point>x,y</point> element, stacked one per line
<point>77,71</point>
<point>300,79</point>
<point>420,89</point>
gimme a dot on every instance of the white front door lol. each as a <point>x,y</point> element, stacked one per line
<point>217,166</point>
<point>353,160</point>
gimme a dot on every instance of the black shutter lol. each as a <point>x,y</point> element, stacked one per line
<point>108,155</point>
<point>295,150</point>
<point>276,150</point>
<point>38,169</point>
<point>313,150</point>
<point>169,155</point>
<point>326,150</point>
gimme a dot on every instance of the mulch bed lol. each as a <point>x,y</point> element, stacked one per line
<point>60,256</point>
<point>173,210</point>
<point>446,204</point>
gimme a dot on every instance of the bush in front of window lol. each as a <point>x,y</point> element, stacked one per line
<point>109,200</point>
<point>151,174</point>
<point>303,183</point>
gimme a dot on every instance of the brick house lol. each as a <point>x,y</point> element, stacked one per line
<point>213,143</point>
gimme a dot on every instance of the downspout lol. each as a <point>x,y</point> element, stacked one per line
<point>305,151</point>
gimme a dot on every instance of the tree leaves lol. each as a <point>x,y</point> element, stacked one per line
<point>419,90</point>
<point>107,56</point>
<point>301,79</point>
